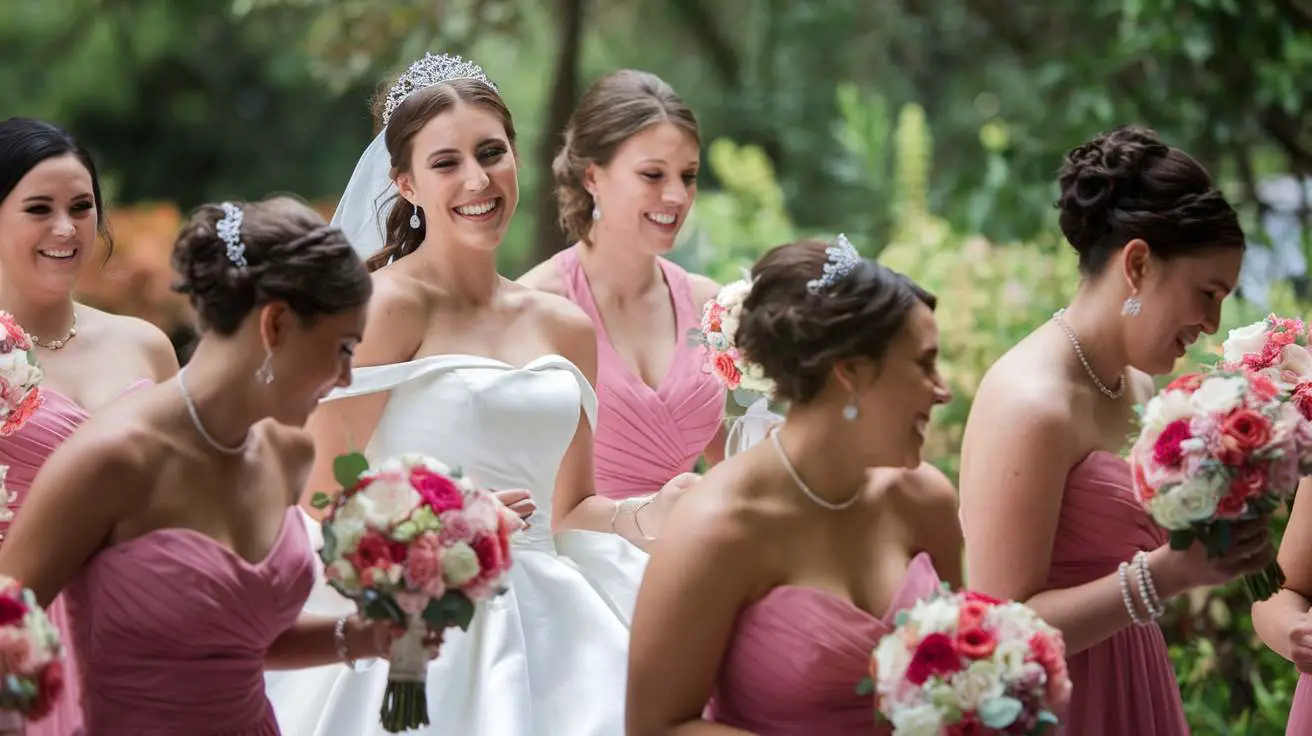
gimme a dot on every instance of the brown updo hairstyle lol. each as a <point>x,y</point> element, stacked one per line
<point>1128,184</point>
<point>797,337</point>
<point>406,121</point>
<point>615,108</point>
<point>292,256</point>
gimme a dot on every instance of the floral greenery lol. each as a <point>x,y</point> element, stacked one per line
<point>990,296</point>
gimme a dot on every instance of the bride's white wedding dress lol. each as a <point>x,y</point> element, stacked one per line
<point>549,657</point>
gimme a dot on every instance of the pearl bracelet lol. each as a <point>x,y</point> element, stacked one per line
<point>1126,597</point>
<point>339,638</point>
<point>1147,590</point>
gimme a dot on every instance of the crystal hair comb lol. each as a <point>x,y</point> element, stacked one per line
<point>430,70</point>
<point>229,229</point>
<point>842,259</point>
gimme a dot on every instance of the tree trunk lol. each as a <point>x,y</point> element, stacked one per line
<point>548,238</point>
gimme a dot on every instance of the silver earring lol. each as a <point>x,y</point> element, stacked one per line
<point>414,219</point>
<point>850,411</point>
<point>265,374</point>
<point>1131,307</point>
<point>596,209</point>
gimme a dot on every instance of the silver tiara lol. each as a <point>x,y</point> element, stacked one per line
<point>428,71</point>
<point>230,233</point>
<point>842,259</point>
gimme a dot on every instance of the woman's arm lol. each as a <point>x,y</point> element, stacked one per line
<point>1281,620</point>
<point>395,328</point>
<point>704,572</point>
<point>97,477</point>
<point>932,504</point>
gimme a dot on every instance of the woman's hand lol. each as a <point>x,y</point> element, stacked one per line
<point>1250,551</point>
<point>518,500</point>
<point>1300,645</point>
<point>651,517</point>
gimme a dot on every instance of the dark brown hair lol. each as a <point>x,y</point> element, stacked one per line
<point>614,109</point>
<point>292,256</point>
<point>27,142</point>
<point>797,336</point>
<point>408,119</point>
<point>1128,184</point>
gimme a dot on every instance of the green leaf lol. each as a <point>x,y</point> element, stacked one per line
<point>329,550</point>
<point>1181,539</point>
<point>1000,712</point>
<point>381,607</point>
<point>321,500</point>
<point>457,609</point>
<point>866,687</point>
<point>348,468</point>
<point>1223,536</point>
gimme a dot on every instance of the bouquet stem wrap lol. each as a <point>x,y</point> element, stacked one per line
<point>405,702</point>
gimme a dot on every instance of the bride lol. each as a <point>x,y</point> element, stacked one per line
<point>469,367</point>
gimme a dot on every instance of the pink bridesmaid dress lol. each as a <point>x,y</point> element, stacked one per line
<point>1300,715</point>
<point>24,452</point>
<point>172,629</point>
<point>1125,684</point>
<point>645,436</point>
<point>797,656</point>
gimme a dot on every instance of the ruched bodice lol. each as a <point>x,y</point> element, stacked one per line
<point>24,452</point>
<point>797,655</point>
<point>173,628</point>
<point>1125,684</point>
<point>647,436</point>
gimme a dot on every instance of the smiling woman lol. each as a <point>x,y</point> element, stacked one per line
<point>51,212</point>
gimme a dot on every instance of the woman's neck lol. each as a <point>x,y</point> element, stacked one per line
<point>814,446</point>
<point>221,384</point>
<point>469,274</point>
<point>618,272</point>
<point>46,319</point>
<point>1100,333</point>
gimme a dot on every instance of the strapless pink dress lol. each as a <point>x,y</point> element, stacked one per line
<point>645,436</point>
<point>1300,715</point>
<point>797,656</point>
<point>172,628</point>
<point>1125,684</point>
<point>25,451</point>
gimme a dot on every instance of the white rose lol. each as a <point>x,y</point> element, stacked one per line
<point>1165,408</point>
<point>935,616</point>
<point>919,720</point>
<point>1296,358</point>
<point>348,533</point>
<point>1010,657</point>
<point>733,294</point>
<point>1218,395</point>
<point>459,564</point>
<point>891,659</point>
<point>1191,501</point>
<point>344,571</point>
<point>385,502</point>
<point>1242,341</point>
<point>979,682</point>
<point>729,326</point>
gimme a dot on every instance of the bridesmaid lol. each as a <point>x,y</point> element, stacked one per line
<point>1282,620</point>
<point>195,481</point>
<point>626,179</point>
<point>50,213</point>
<point>1159,248</point>
<point>767,593</point>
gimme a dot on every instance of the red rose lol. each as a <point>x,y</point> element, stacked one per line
<point>1145,490</point>
<point>26,408</point>
<point>969,725</point>
<point>438,491</point>
<point>49,688</point>
<point>1249,481</point>
<point>488,550</point>
<point>1303,399</point>
<point>372,551</point>
<point>972,614</point>
<point>1230,506</point>
<point>1166,451</point>
<point>1262,387</point>
<point>727,371</point>
<point>1188,382</point>
<point>976,642</point>
<point>975,596</point>
<point>1245,431</point>
<point>934,656</point>
<point>12,610</point>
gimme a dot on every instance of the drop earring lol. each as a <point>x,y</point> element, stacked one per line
<point>850,410</point>
<point>265,373</point>
<point>596,209</point>
<point>1131,306</point>
<point>414,219</point>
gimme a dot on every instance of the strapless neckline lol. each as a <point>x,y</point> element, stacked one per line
<point>68,401</point>
<point>212,543</point>
<point>838,602</point>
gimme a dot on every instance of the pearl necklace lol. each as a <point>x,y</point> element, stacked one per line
<point>195,419</point>
<point>1060,319</point>
<point>806,490</point>
<point>59,344</point>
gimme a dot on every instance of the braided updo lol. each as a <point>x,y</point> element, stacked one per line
<point>1128,184</point>
<point>292,255</point>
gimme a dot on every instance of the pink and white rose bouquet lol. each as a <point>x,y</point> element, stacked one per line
<point>721,316</point>
<point>963,663</point>
<point>20,377</point>
<point>413,542</point>
<point>1276,347</point>
<point>1217,448</point>
<point>31,665</point>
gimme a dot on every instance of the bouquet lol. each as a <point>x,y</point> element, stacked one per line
<point>20,378</point>
<point>720,319</point>
<point>1215,449</point>
<point>1277,348</point>
<point>31,672</point>
<point>413,542</point>
<point>965,663</point>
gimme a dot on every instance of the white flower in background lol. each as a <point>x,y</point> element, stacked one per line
<point>1244,340</point>
<point>385,502</point>
<point>1218,395</point>
<point>919,720</point>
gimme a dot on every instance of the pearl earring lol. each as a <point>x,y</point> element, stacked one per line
<point>596,209</point>
<point>851,411</point>
<point>414,219</point>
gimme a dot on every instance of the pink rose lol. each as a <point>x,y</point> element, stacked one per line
<point>1166,451</point>
<point>438,491</point>
<point>1243,432</point>
<point>15,651</point>
<point>727,371</point>
<point>455,528</point>
<point>423,569</point>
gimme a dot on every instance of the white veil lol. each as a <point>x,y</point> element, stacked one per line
<point>362,212</point>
